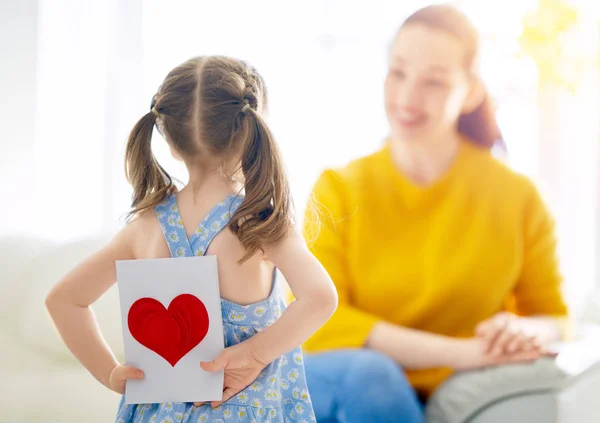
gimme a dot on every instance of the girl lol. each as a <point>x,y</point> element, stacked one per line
<point>209,110</point>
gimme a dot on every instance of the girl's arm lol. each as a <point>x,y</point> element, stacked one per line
<point>315,298</point>
<point>69,306</point>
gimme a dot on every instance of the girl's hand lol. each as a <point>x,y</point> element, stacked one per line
<point>472,354</point>
<point>242,366</point>
<point>119,375</point>
<point>505,333</point>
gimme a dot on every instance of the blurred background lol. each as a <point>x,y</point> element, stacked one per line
<point>77,75</point>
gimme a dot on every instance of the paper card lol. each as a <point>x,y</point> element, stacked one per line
<point>171,314</point>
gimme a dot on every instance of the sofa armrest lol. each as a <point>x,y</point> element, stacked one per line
<point>465,395</point>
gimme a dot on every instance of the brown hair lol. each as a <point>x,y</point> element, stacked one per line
<point>480,125</point>
<point>210,107</point>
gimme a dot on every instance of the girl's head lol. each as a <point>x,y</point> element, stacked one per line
<point>209,110</point>
<point>433,86</point>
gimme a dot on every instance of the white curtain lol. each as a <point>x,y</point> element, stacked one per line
<point>90,90</point>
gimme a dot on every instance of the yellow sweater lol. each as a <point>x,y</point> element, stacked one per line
<point>439,259</point>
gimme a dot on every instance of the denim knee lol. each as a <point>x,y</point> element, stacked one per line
<point>372,366</point>
<point>376,386</point>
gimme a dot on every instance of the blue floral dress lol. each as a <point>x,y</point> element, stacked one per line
<point>279,394</point>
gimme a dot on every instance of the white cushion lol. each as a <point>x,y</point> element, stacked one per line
<point>66,395</point>
<point>38,332</point>
<point>35,388</point>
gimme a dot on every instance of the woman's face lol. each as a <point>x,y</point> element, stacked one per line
<point>428,85</point>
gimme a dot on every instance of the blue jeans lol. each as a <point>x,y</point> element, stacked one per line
<point>360,386</point>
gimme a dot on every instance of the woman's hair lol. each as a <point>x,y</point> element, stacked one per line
<point>211,108</point>
<point>480,125</point>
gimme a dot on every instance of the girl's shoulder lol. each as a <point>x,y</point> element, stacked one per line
<point>145,234</point>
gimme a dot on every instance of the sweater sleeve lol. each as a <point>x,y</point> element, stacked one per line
<point>538,290</point>
<point>326,226</point>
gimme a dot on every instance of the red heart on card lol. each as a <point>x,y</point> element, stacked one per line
<point>169,332</point>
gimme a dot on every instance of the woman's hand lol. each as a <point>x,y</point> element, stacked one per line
<point>506,333</point>
<point>472,354</point>
<point>242,366</point>
<point>119,375</point>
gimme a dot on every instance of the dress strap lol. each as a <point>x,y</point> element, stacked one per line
<point>172,228</point>
<point>174,232</point>
<point>214,222</point>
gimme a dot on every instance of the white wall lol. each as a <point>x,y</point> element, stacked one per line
<point>18,48</point>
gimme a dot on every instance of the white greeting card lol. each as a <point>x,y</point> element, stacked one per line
<point>171,314</point>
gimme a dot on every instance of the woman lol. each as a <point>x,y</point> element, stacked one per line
<point>430,241</point>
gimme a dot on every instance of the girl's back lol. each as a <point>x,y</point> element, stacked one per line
<point>242,283</point>
<point>280,392</point>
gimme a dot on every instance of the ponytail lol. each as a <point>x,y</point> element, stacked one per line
<point>151,183</point>
<point>481,126</point>
<point>265,215</point>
